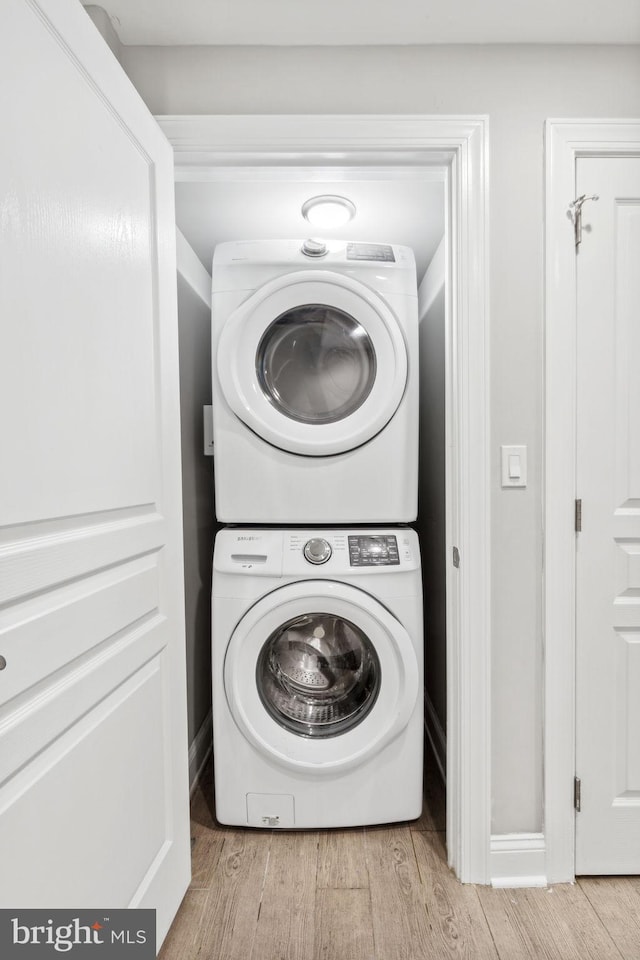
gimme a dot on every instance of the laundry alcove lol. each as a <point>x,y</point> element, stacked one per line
<point>410,177</point>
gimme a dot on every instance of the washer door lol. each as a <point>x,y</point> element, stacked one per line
<point>319,676</point>
<point>313,362</point>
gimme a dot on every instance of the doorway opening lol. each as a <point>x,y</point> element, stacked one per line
<point>430,175</point>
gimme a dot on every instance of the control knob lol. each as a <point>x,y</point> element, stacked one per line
<point>317,550</point>
<point>314,248</point>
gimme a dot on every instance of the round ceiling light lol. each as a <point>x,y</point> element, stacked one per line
<point>328,211</point>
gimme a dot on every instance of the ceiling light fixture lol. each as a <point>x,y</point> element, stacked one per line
<point>328,211</point>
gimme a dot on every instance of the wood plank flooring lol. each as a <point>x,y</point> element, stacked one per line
<point>380,893</point>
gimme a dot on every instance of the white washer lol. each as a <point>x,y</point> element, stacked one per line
<point>317,677</point>
<point>315,382</point>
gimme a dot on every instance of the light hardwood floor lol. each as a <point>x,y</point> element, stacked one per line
<point>380,893</point>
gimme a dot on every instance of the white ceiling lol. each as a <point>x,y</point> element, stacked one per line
<point>404,207</point>
<point>303,22</point>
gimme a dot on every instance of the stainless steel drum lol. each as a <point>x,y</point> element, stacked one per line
<point>318,675</point>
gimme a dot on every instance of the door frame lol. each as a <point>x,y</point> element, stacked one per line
<point>204,144</point>
<point>565,142</point>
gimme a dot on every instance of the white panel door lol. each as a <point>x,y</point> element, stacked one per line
<point>93,742</point>
<point>608,548</point>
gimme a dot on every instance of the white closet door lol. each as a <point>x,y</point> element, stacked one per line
<point>608,547</point>
<point>93,741</point>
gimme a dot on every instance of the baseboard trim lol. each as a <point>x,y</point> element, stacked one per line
<point>199,751</point>
<point>518,860</point>
<point>436,736</point>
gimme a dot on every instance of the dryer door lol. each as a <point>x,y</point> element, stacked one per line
<point>319,675</point>
<point>313,362</point>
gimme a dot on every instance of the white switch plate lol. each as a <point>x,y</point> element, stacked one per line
<point>514,462</point>
<point>207,419</point>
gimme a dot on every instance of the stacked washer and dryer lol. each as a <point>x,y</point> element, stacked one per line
<point>317,636</point>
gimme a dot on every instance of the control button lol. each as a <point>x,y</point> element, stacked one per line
<point>317,550</point>
<point>314,248</point>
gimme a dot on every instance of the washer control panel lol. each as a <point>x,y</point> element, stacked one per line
<point>373,551</point>
<point>309,552</point>
<point>317,550</point>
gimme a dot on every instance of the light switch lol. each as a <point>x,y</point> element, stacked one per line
<point>514,466</point>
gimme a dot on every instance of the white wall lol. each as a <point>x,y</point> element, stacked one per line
<point>101,20</point>
<point>431,523</point>
<point>518,87</point>
<point>194,338</point>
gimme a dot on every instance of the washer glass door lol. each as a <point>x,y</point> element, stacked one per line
<point>318,675</point>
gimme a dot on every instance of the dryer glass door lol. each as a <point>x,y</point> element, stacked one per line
<point>316,364</point>
<point>318,675</point>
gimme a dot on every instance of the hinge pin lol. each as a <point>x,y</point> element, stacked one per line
<point>578,516</point>
<point>577,794</point>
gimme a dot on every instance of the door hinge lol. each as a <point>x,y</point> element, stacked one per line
<point>576,215</point>
<point>578,516</point>
<point>577,794</point>
<point>456,557</point>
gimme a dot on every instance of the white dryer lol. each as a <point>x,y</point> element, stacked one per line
<point>317,677</point>
<point>315,382</point>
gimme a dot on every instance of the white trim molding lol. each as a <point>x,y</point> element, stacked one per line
<point>191,270</point>
<point>436,736</point>
<point>206,147</point>
<point>199,750</point>
<point>565,142</point>
<point>518,860</point>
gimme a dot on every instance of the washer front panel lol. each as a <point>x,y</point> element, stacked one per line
<point>393,666</point>
<point>303,379</point>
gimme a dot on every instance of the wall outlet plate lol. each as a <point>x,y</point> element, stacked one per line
<point>207,420</point>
